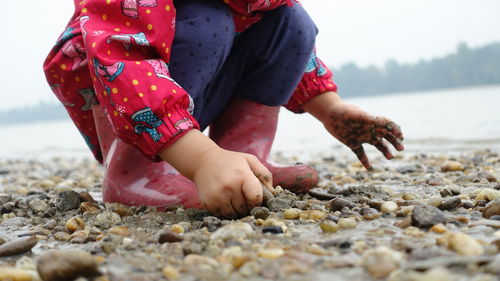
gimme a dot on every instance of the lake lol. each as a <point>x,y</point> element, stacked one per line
<point>437,121</point>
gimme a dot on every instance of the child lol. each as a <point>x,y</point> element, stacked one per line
<point>145,77</point>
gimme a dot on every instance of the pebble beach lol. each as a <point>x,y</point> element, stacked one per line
<point>422,216</point>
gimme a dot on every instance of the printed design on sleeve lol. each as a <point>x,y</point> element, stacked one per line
<point>258,5</point>
<point>110,72</point>
<point>147,122</point>
<point>129,7</point>
<point>161,70</point>
<point>88,96</point>
<point>314,64</point>
<point>75,51</point>
<point>83,21</point>
<point>129,39</point>
<point>183,124</point>
<point>56,89</point>
<point>65,36</point>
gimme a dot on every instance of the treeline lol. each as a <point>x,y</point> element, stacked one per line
<point>41,112</point>
<point>466,67</point>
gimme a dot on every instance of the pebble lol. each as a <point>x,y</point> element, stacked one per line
<point>274,229</point>
<point>62,236</point>
<point>439,228</point>
<point>107,219</point>
<point>89,207</point>
<point>277,204</point>
<point>347,223</point>
<point>75,224</point>
<point>271,253</point>
<point>312,215</point>
<point>61,265</point>
<point>235,256</point>
<point>121,230</point>
<point>86,197</point>
<point>168,236</point>
<point>492,209</point>
<point>487,194</point>
<point>38,205</point>
<point>18,246</point>
<point>338,204</point>
<point>328,226</point>
<point>436,274</point>
<point>424,216</point>
<point>450,203</point>
<point>233,231</point>
<point>260,212</point>
<point>13,274</point>
<point>464,244</point>
<point>435,201</point>
<point>177,228</point>
<point>170,272</point>
<point>370,213</point>
<point>389,207</point>
<point>291,214</point>
<point>452,166</point>
<point>381,261</point>
<point>67,200</point>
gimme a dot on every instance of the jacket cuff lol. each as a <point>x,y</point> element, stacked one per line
<point>310,87</point>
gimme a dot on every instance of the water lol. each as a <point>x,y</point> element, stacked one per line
<point>455,119</point>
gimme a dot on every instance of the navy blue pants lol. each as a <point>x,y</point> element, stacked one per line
<point>263,64</point>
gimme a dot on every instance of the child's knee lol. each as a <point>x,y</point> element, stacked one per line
<point>302,28</point>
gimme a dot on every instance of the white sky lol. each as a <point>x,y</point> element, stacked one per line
<point>364,32</point>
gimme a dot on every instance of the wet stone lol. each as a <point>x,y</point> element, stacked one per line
<point>107,219</point>
<point>86,197</point>
<point>450,203</point>
<point>492,209</point>
<point>66,265</point>
<point>277,204</point>
<point>424,216</point>
<point>38,205</point>
<point>7,207</point>
<point>18,246</point>
<point>211,222</point>
<point>338,204</point>
<point>67,200</point>
<point>260,213</point>
<point>452,166</point>
<point>168,236</point>
<point>274,229</point>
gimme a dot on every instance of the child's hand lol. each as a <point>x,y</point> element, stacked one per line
<point>228,182</point>
<point>353,126</point>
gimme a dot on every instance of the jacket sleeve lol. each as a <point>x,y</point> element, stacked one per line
<point>128,47</point>
<point>317,79</point>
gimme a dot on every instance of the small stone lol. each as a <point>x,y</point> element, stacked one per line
<point>338,204</point>
<point>381,261</point>
<point>89,207</point>
<point>347,223</point>
<point>121,230</point>
<point>492,209</point>
<point>436,274</point>
<point>18,246</point>
<point>464,245</point>
<point>450,203</point>
<point>86,197</point>
<point>487,175</point>
<point>168,236</point>
<point>66,265</point>
<point>75,224</point>
<point>120,209</point>
<point>14,274</point>
<point>328,226</point>
<point>62,236</point>
<point>274,229</point>
<point>67,200</point>
<point>79,236</point>
<point>177,228</point>
<point>277,204</point>
<point>107,219</point>
<point>291,214</point>
<point>260,212</point>
<point>235,256</point>
<point>435,201</point>
<point>487,194</point>
<point>312,215</point>
<point>274,222</point>
<point>272,253</point>
<point>452,166</point>
<point>170,272</point>
<point>439,228</point>
<point>467,204</point>
<point>233,231</point>
<point>425,216</point>
<point>38,205</point>
<point>389,207</point>
<point>370,213</point>
<point>408,196</point>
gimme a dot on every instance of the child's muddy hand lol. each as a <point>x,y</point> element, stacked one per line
<point>230,183</point>
<point>354,127</point>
